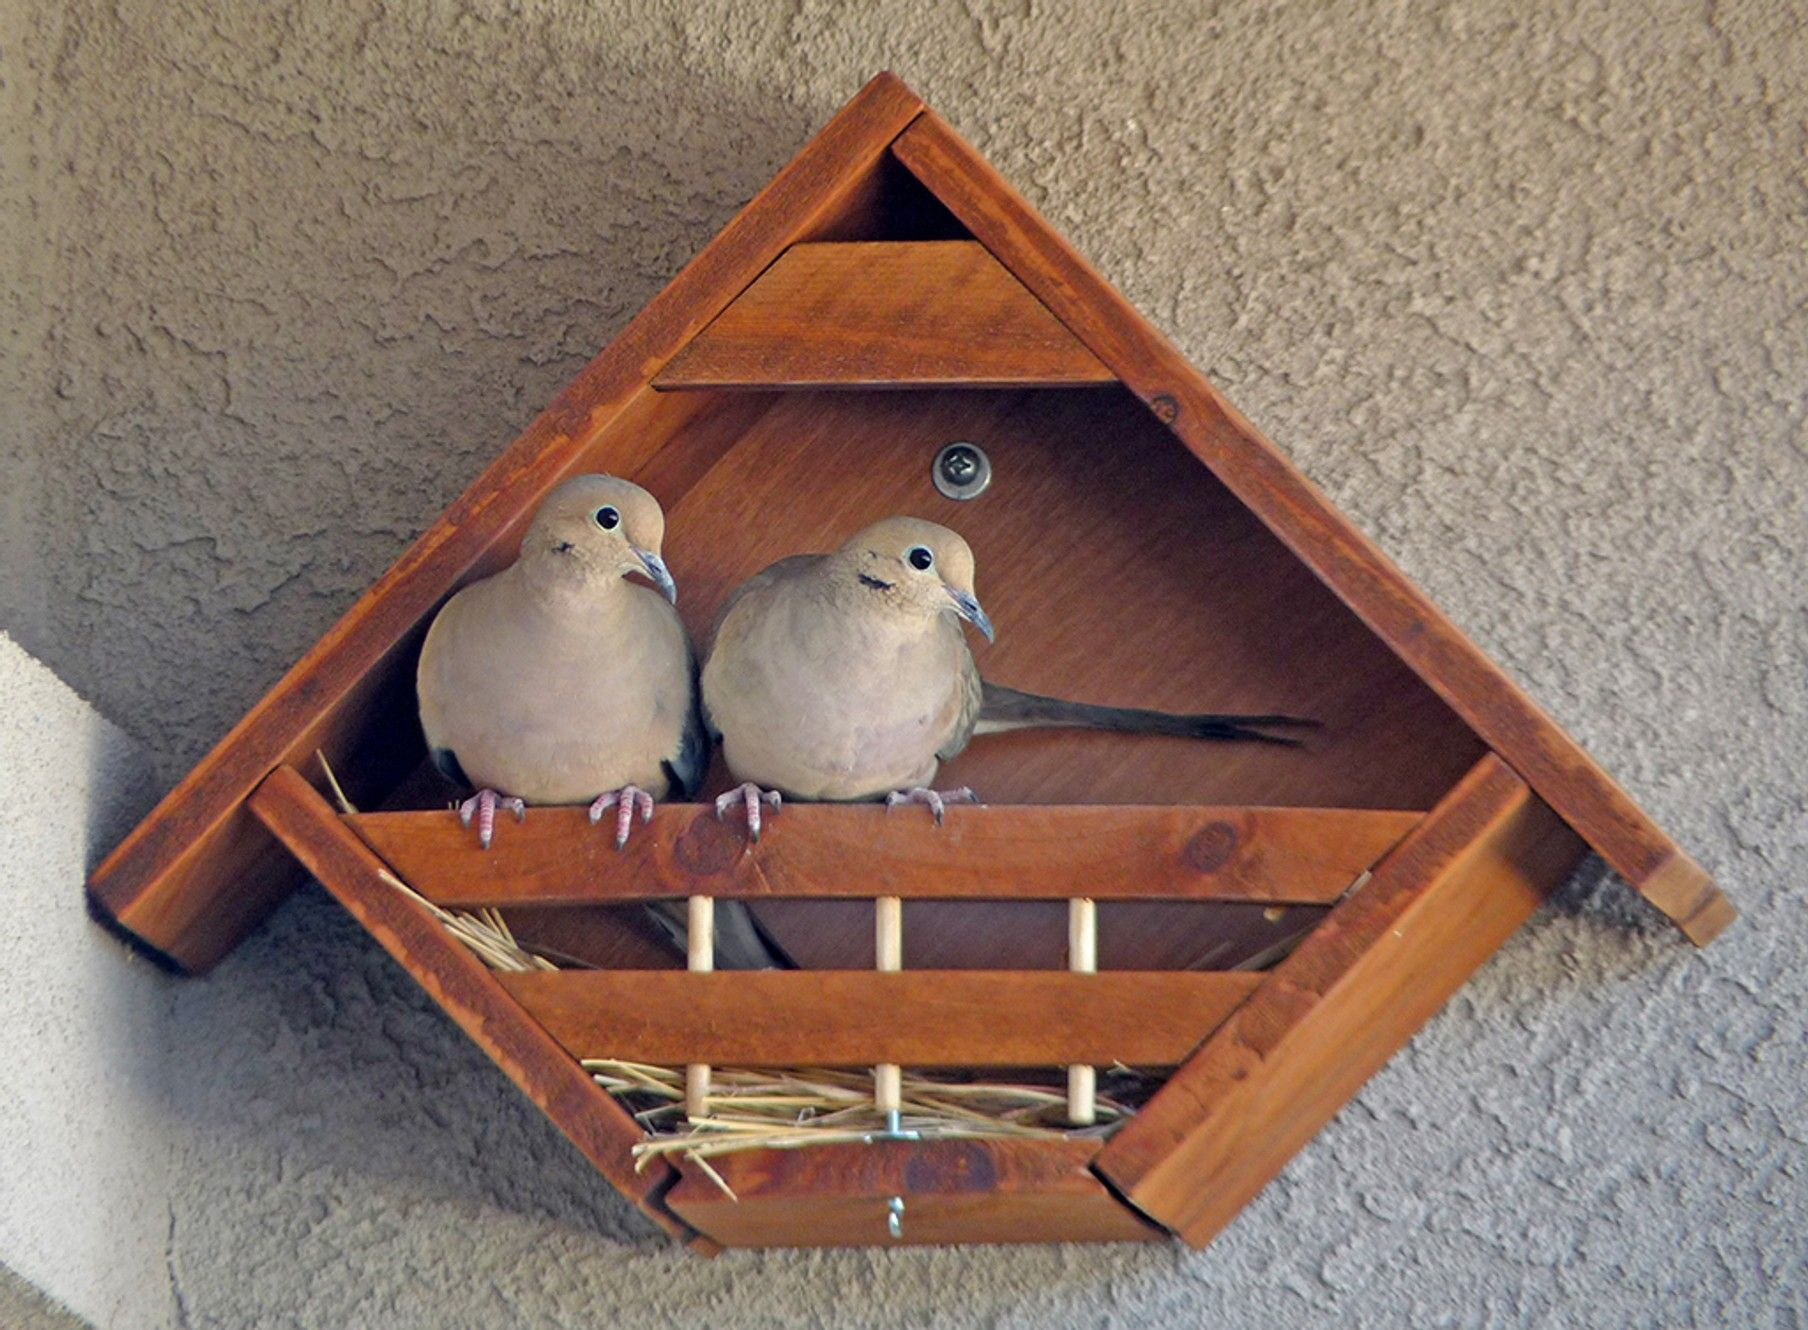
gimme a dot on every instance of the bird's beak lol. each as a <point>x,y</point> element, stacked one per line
<point>661,575</point>
<point>966,604</point>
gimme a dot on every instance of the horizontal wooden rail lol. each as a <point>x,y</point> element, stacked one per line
<point>957,1191</point>
<point>885,314</point>
<point>1300,856</point>
<point>853,1018</point>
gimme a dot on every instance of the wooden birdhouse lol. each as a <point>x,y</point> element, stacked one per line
<point>1251,929</point>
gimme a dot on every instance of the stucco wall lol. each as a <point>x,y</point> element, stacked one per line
<point>1522,286</point>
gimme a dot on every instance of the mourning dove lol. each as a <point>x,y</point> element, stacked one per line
<point>845,676</point>
<point>558,681</point>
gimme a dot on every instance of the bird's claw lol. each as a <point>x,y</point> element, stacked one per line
<point>483,806</point>
<point>624,801</point>
<point>938,800</point>
<point>751,796</point>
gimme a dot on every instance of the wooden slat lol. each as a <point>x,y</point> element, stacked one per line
<point>1331,1014</point>
<point>179,880</point>
<point>307,825</point>
<point>852,1018</point>
<point>889,315</point>
<point>954,1191</point>
<point>1294,509</point>
<point>1286,855</point>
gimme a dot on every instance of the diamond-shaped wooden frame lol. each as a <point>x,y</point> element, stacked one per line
<point>889,254</point>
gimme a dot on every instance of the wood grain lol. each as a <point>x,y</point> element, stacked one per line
<point>179,881</point>
<point>884,315</point>
<point>1500,712</point>
<point>850,1018</point>
<point>1331,1014</point>
<point>1117,569</point>
<point>302,820</point>
<point>945,934</point>
<point>557,857</point>
<point>954,1192</point>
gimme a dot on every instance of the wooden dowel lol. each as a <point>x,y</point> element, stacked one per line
<point>702,958</point>
<point>888,949</point>
<point>1082,958</point>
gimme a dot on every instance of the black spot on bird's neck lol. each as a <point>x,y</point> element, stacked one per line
<point>868,580</point>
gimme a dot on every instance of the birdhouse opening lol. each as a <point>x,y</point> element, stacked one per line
<point>1118,571</point>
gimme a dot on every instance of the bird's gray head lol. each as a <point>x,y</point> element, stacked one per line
<point>598,527</point>
<point>915,567</point>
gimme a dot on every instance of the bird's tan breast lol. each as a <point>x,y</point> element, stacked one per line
<point>831,707</point>
<point>556,707</point>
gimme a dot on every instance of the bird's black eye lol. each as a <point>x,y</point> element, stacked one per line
<point>920,557</point>
<point>608,519</point>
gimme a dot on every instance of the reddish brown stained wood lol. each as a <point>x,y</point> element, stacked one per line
<point>1178,598</point>
<point>1300,855</point>
<point>1511,723</point>
<point>304,822</point>
<point>1331,1014</point>
<point>1032,935</point>
<point>171,881</point>
<point>954,1191</point>
<point>850,1018</point>
<point>887,315</point>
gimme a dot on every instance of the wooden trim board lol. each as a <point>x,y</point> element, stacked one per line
<point>1278,855</point>
<point>857,1018</point>
<point>953,1192</point>
<point>870,314</point>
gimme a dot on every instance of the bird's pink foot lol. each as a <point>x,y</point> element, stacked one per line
<point>751,796</point>
<point>483,806</point>
<point>938,800</point>
<point>623,801</point>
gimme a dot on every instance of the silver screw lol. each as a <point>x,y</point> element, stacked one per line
<point>894,1218</point>
<point>962,470</point>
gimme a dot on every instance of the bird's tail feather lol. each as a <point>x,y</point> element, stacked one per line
<point>1008,709</point>
<point>741,944</point>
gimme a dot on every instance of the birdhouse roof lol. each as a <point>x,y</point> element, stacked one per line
<point>765,305</point>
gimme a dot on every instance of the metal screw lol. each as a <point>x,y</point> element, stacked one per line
<point>894,1218</point>
<point>962,470</point>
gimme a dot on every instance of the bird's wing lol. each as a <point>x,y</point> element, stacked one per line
<point>972,699</point>
<point>731,629</point>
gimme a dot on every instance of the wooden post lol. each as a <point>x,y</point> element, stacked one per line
<point>1082,958</point>
<point>702,961</point>
<point>888,947</point>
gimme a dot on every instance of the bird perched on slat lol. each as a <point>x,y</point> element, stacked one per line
<point>846,677</point>
<point>559,681</point>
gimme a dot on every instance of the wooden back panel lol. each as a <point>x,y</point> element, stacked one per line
<point>1117,569</point>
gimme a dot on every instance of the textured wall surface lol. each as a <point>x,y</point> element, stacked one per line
<point>84,1159</point>
<point>1522,286</point>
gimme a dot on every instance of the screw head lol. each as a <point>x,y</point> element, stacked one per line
<point>962,470</point>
